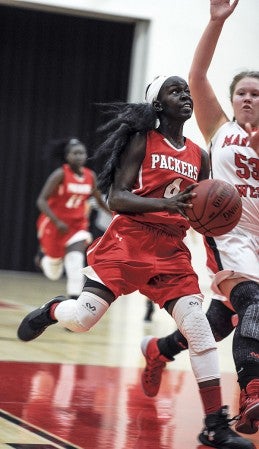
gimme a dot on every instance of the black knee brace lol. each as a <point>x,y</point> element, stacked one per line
<point>220,319</point>
<point>245,299</point>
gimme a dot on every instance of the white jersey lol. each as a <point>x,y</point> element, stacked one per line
<point>237,252</point>
<point>232,160</point>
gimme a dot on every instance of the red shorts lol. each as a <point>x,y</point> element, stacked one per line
<point>52,241</point>
<point>133,256</point>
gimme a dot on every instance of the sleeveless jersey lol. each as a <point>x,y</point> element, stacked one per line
<point>234,161</point>
<point>68,202</point>
<point>164,172</point>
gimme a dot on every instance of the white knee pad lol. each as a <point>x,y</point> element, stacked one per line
<point>52,267</point>
<point>74,263</point>
<point>192,322</point>
<point>81,314</point>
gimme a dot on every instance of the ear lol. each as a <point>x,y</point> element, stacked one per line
<point>157,106</point>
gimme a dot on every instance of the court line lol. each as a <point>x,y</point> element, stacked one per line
<point>36,431</point>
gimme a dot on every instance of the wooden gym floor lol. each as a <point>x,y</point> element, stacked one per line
<point>83,391</point>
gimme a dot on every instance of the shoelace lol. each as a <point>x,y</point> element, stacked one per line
<point>231,421</point>
<point>223,423</point>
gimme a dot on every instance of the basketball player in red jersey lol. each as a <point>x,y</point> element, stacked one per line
<point>149,173</point>
<point>63,222</point>
<point>233,257</point>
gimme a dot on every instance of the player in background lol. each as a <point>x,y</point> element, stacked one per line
<point>149,173</point>
<point>234,149</point>
<point>62,226</point>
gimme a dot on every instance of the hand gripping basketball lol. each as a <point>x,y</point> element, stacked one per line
<point>217,208</point>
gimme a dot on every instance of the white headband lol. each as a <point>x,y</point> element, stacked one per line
<point>154,88</point>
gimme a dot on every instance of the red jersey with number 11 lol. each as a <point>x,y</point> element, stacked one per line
<point>68,202</point>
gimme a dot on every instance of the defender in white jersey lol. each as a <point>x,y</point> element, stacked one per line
<point>232,159</point>
<point>234,262</point>
<point>234,150</point>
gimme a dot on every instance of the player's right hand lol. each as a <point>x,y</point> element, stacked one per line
<point>178,203</point>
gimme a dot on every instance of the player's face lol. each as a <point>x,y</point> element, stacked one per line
<point>245,101</point>
<point>76,157</point>
<point>175,98</point>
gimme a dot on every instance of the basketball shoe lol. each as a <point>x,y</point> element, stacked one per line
<point>217,432</point>
<point>35,323</point>
<point>155,364</point>
<point>249,408</point>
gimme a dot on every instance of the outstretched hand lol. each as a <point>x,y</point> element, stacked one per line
<point>178,203</point>
<point>253,137</point>
<point>222,9</point>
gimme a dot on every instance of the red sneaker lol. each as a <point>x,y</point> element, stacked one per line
<point>249,408</point>
<point>155,363</point>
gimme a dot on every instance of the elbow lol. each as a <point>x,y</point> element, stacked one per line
<point>112,203</point>
<point>116,202</point>
<point>196,77</point>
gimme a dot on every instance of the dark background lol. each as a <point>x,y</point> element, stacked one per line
<point>53,68</point>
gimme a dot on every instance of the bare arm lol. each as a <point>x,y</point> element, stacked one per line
<point>51,185</point>
<point>209,113</point>
<point>121,199</point>
<point>205,166</point>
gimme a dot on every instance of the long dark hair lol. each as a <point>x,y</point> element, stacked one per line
<point>124,120</point>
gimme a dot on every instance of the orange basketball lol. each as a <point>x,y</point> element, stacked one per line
<point>217,208</point>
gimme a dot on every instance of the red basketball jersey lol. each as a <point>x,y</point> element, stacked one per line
<point>164,172</point>
<point>68,202</point>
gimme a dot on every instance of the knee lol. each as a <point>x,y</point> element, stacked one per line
<point>245,299</point>
<point>74,262</point>
<point>52,267</point>
<point>193,324</point>
<point>82,314</point>
<point>220,319</point>
<point>243,295</point>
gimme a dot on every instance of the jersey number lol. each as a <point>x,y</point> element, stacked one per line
<point>74,201</point>
<point>247,167</point>
<point>173,188</point>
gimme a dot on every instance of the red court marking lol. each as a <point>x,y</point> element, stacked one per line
<point>95,407</point>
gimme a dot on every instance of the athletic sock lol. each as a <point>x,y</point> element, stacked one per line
<point>211,399</point>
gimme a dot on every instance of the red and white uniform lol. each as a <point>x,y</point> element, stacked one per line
<point>68,204</point>
<point>146,252</point>
<point>237,252</point>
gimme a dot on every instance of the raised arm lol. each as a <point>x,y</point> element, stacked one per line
<point>208,111</point>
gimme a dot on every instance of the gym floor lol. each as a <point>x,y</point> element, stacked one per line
<point>82,391</point>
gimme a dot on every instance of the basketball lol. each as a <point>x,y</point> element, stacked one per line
<point>216,209</point>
